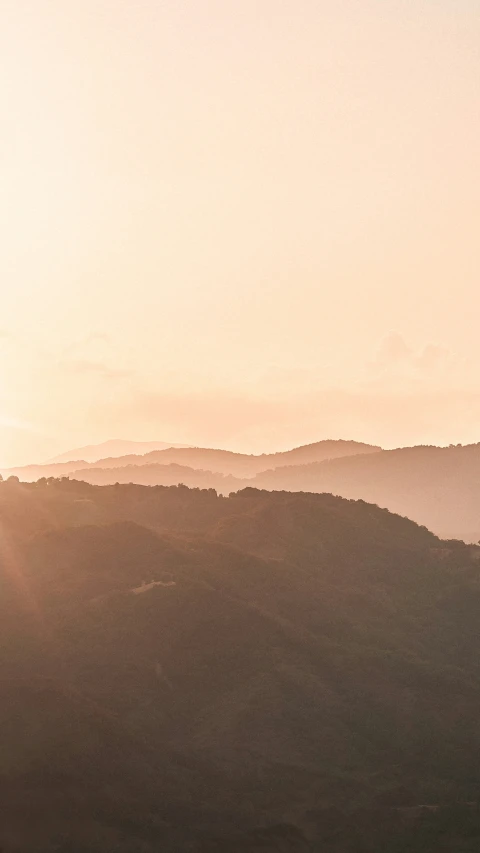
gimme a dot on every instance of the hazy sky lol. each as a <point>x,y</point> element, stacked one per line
<point>241,223</point>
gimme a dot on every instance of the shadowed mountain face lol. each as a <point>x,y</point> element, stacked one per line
<point>160,475</point>
<point>269,671</point>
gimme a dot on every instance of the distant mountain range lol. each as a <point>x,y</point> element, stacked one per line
<point>113,447</point>
<point>437,487</point>
<point>217,461</point>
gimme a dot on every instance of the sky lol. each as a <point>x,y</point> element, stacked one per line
<point>238,223</point>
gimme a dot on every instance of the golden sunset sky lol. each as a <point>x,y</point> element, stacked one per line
<point>239,223</point>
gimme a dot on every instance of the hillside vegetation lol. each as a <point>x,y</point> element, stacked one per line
<point>184,671</point>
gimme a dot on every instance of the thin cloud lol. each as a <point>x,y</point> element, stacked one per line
<point>392,350</point>
<point>433,357</point>
<point>395,358</point>
<point>86,343</point>
<point>86,366</point>
<point>16,424</point>
<point>93,355</point>
<point>250,423</point>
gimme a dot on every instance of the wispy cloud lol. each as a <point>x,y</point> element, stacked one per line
<point>433,357</point>
<point>396,359</point>
<point>392,350</point>
<point>16,423</point>
<point>85,366</point>
<point>245,422</point>
<point>93,355</point>
<point>87,344</point>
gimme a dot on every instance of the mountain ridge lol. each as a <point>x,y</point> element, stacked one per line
<point>116,447</point>
<point>436,486</point>
<point>223,461</point>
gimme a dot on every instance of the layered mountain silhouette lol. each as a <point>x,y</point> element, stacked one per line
<point>113,447</point>
<point>436,486</point>
<point>267,671</point>
<point>240,465</point>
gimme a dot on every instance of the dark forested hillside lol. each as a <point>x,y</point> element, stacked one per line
<point>435,486</point>
<point>182,671</point>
